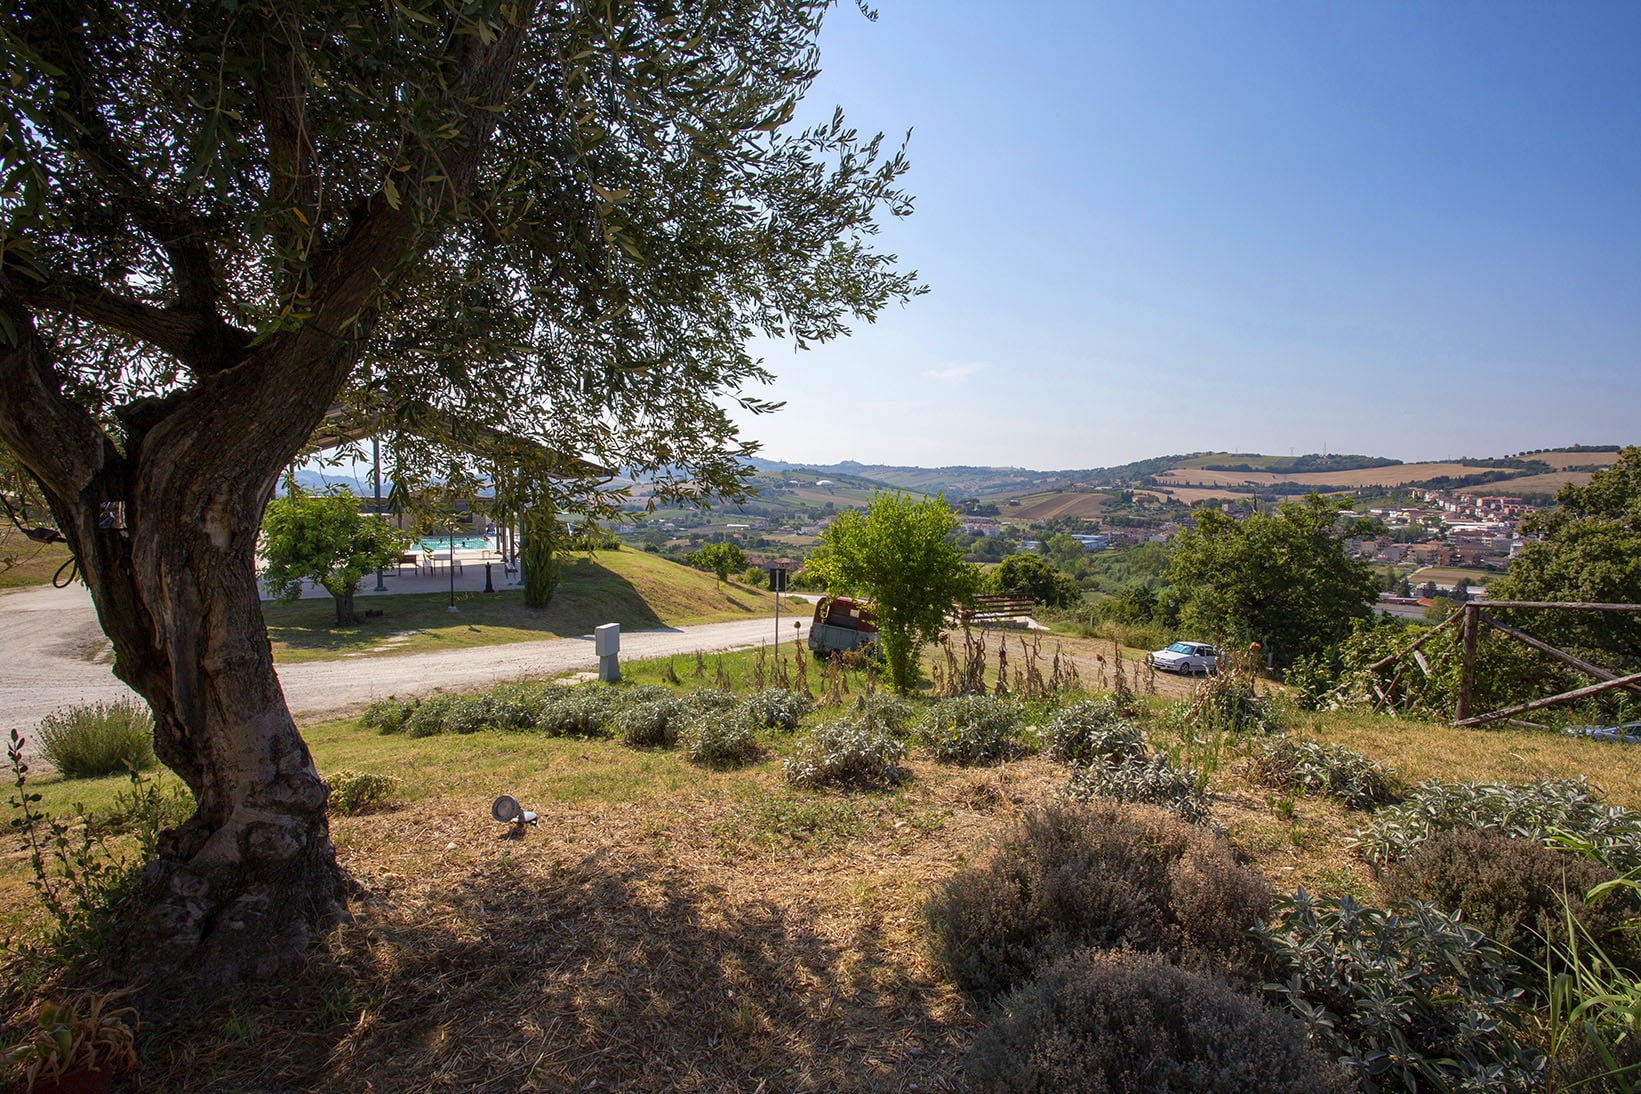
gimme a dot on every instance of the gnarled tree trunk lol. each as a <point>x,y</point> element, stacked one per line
<point>164,529</point>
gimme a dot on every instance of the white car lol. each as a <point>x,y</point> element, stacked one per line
<point>1183,657</point>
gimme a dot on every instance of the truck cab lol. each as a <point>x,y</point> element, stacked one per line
<point>841,624</point>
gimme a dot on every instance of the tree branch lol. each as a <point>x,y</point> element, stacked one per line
<point>174,332</point>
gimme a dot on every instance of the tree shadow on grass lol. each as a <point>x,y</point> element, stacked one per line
<point>617,971</point>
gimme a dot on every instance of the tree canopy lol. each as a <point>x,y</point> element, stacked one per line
<point>323,538</point>
<point>899,555</point>
<point>1283,579</point>
<point>548,219</point>
<point>722,559</point>
<point>1586,548</point>
<point>1033,576</point>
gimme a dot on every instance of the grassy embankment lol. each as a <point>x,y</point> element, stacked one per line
<point>639,590</point>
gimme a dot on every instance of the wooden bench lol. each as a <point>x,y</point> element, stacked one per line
<point>992,608</point>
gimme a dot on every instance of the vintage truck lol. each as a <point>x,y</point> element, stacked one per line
<point>841,625</point>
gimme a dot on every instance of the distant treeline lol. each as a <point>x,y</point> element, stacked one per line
<point>1312,461</point>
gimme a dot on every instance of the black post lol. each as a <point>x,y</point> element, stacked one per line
<point>376,460</point>
<point>487,586</point>
<point>452,561</point>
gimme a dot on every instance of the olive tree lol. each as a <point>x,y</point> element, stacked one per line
<point>722,559</point>
<point>899,555</point>
<point>542,218</point>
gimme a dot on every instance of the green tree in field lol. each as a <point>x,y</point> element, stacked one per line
<point>1283,579</point>
<point>1587,548</point>
<point>539,554</point>
<point>1033,576</point>
<point>324,538</point>
<point>898,555</point>
<point>722,559</point>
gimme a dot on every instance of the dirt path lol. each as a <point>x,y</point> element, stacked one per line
<point>53,654</point>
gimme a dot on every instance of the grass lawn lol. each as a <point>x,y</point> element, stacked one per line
<point>639,590</point>
<point>669,927</point>
<point>36,563</point>
<point>1448,575</point>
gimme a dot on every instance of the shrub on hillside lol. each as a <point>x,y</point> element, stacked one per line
<point>971,729</point>
<point>360,791</point>
<point>777,708</point>
<point>429,717</point>
<point>1407,1000</point>
<point>1153,781</point>
<point>83,742</point>
<point>846,753</point>
<point>386,716</point>
<point>1316,769</point>
<point>1087,730</point>
<point>1518,892</point>
<point>1536,810</point>
<point>1067,877</point>
<point>585,710</point>
<point>1224,704</point>
<point>651,723</point>
<point>1121,1021</point>
<point>714,740</point>
<point>883,711</point>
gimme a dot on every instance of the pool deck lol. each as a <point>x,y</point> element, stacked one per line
<point>431,576</point>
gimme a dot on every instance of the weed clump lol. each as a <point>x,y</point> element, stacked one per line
<point>386,716</point>
<point>971,729</point>
<point>83,742</point>
<point>1104,876</point>
<point>1125,1021</point>
<point>849,753</point>
<point>1314,769</point>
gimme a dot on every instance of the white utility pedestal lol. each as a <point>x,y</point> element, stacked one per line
<point>607,644</point>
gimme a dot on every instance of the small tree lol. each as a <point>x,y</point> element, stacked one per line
<point>722,559</point>
<point>1034,576</point>
<point>324,538</point>
<point>899,555</point>
<point>540,567</point>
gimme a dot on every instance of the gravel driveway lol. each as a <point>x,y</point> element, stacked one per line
<point>53,654</point>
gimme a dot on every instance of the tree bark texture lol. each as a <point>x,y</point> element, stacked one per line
<point>165,536</point>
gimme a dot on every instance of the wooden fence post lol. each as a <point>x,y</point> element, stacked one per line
<point>1467,672</point>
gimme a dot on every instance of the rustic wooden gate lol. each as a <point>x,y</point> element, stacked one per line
<point>1472,620</point>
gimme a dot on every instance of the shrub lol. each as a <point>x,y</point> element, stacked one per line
<point>778,708</point>
<point>1115,1022</point>
<point>1089,730</point>
<point>429,717</point>
<point>1154,781</point>
<point>971,729</point>
<point>652,724</point>
<point>1067,877</point>
<point>1519,892</point>
<point>582,711</point>
<point>386,716</point>
<point>1537,810</point>
<point>1406,1000</point>
<point>1224,704</point>
<point>83,742</point>
<point>884,712</point>
<point>1327,770</point>
<point>719,740</point>
<point>846,753</point>
<point>360,791</point>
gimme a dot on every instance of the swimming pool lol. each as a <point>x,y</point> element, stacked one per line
<point>442,543</point>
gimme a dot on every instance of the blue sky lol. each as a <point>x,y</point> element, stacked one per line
<point>1403,229</point>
